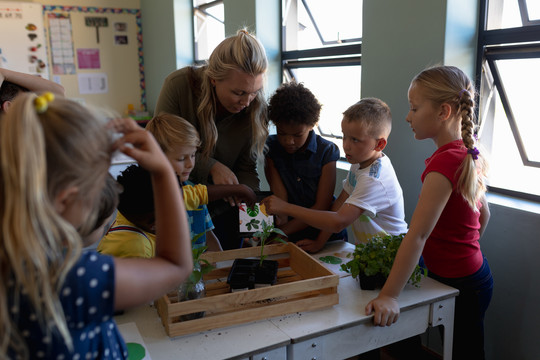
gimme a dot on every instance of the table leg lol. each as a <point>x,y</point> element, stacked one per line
<point>442,313</point>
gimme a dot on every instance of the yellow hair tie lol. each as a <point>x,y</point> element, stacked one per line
<point>42,102</point>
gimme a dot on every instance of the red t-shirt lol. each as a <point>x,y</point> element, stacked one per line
<point>452,249</point>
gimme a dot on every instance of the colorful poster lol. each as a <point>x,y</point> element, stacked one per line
<point>88,58</point>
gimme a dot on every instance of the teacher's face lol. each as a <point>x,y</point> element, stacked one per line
<point>237,90</point>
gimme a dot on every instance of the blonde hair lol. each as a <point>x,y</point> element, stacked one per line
<point>172,130</point>
<point>374,113</point>
<point>449,84</point>
<point>41,155</point>
<point>242,52</point>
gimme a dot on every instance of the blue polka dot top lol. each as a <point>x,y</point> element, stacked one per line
<point>87,298</point>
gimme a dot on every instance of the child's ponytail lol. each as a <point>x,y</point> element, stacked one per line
<point>471,182</point>
<point>31,246</point>
<point>45,145</point>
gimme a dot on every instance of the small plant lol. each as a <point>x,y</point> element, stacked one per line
<point>200,266</point>
<point>265,233</point>
<point>377,256</point>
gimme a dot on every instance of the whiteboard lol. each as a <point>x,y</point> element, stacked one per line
<point>23,45</point>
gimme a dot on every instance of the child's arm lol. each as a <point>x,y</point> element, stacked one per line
<point>313,246</point>
<point>241,192</point>
<point>31,82</point>
<point>274,179</point>
<point>139,281</point>
<point>277,188</point>
<point>434,195</point>
<point>485,214</point>
<point>333,221</point>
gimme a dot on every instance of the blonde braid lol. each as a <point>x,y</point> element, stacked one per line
<point>471,182</point>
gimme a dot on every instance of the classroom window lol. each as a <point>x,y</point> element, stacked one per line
<point>209,27</point>
<point>509,53</point>
<point>321,48</point>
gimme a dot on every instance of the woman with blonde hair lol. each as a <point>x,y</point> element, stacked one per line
<point>224,100</point>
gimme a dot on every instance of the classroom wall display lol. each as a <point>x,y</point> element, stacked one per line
<point>22,38</point>
<point>96,54</point>
<point>61,44</point>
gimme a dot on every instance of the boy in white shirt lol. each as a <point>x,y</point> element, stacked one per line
<point>371,199</point>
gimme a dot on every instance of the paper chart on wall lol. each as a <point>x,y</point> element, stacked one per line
<point>61,42</point>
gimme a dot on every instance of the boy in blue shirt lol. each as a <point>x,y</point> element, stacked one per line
<point>300,165</point>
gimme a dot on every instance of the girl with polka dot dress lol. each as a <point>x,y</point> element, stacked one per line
<point>59,301</point>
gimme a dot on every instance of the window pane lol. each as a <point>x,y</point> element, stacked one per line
<point>333,22</point>
<point>506,168</point>
<point>521,80</point>
<point>503,14</point>
<point>533,7</point>
<point>335,96</point>
<point>209,28</point>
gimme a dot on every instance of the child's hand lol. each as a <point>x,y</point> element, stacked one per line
<point>138,144</point>
<point>246,195</point>
<point>385,309</point>
<point>273,204</point>
<point>310,246</point>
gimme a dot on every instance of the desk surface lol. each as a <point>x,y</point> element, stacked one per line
<point>263,335</point>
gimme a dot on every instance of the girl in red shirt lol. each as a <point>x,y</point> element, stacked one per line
<point>452,211</point>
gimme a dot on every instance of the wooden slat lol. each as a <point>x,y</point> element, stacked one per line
<point>303,284</point>
<point>249,315</point>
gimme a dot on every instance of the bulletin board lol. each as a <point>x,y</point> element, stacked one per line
<point>23,40</point>
<point>96,54</point>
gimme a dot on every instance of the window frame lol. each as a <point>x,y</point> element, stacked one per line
<point>349,54</point>
<point>501,44</point>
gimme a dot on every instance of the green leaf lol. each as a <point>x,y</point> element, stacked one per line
<point>330,259</point>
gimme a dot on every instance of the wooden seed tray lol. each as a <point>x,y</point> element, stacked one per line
<point>303,284</point>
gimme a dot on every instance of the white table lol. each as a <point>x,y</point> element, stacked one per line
<point>338,332</point>
<point>260,338</point>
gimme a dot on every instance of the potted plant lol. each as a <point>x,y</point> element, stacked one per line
<point>193,287</point>
<point>251,273</point>
<point>372,262</point>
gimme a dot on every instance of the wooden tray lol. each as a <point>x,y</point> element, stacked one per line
<point>303,284</point>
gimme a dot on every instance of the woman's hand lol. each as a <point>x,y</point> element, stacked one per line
<point>385,309</point>
<point>221,174</point>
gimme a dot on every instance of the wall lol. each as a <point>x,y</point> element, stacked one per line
<point>120,63</point>
<point>400,39</point>
<point>168,42</point>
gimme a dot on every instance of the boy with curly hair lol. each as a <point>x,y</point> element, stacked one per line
<point>300,165</point>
